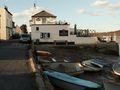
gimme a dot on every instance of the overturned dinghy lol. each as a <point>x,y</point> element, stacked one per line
<point>113,83</point>
<point>116,68</point>
<point>93,65</point>
<point>68,82</point>
<point>64,67</point>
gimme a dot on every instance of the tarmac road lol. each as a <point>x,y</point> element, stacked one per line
<point>14,73</point>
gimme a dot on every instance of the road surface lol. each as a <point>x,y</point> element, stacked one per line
<point>14,73</point>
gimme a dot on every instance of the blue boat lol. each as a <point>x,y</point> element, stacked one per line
<point>68,82</point>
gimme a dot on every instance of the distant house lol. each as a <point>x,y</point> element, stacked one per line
<point>6,26</point>
<point>17,30</point>
<point>46,28</point>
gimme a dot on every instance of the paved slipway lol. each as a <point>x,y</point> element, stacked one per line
<point>14,73</point>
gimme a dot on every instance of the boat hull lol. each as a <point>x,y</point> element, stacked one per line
<point>64,67</point>
<point>89,66</point>
<point>68,82</point>
<point>67,86</point>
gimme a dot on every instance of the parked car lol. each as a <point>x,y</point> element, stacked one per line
<point>25,38</point>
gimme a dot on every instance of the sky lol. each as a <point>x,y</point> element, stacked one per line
<point>99,15</point>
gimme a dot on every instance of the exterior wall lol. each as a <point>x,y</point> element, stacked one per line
<point>54,34</point>
<point>52,29</point>
<point>43,20</point>
<point>17,30</point>
<point>117,39</point>
<point>85,40</point>
<point>3,24</point>
<point>6,24</point>
<point>9,26</point>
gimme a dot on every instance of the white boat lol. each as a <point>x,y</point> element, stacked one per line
<point>68,82</point>
<point>90,66</point>
<point>65,67</point>
<point>116,68</point>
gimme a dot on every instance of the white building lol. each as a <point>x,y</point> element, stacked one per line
<point>5,24</point>
<point>45,28</point>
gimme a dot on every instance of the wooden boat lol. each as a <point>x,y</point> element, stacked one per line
<point>68,82</point>
<point>64,67</point>
<point>44,60</point>
<point>44,54</point>
<point>89,66</point>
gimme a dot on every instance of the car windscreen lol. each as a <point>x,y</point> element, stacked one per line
<point>25,36</point>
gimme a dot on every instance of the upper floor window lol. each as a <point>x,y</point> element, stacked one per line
<point>37,28</point>
<point>63,32</point>
<point>38,19</point>
<point>43,20</point>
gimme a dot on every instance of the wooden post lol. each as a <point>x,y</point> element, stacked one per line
<point>66,42</point>
<point>54,42</point>
<point>119,49</point>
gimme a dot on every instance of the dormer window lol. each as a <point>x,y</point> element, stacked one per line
<point>38,19</point>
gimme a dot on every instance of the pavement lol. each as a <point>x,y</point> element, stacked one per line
<point>14,72</point>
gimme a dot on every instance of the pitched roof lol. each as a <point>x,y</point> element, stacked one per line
<point>43,14</point>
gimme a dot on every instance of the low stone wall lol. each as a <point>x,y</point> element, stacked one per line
<point>33,67</point>
<point>40,82</point>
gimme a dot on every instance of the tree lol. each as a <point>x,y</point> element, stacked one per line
<point>75,29</point>
<point>24,28</point>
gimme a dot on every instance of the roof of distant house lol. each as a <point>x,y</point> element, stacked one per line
<point>44,14</point>
<point>7,10</point>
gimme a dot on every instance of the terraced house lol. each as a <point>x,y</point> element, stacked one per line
<point>5,24</point>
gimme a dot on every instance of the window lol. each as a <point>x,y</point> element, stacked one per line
<point>43,20</point>
<point>63,32</point>
<point>44,35</point>
<point>38,19</point>
<point>37,28</point>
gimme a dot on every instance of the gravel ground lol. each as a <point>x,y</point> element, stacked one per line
<point>80,53</point>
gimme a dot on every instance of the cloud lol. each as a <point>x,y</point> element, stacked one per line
<point>105,4</point>
<point>26,13</point>
<point>115,6</point>
<point>113,14</point>
<point>84,11</point>
<point>100,3</point>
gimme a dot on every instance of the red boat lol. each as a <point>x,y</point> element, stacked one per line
<point>43,54</point>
